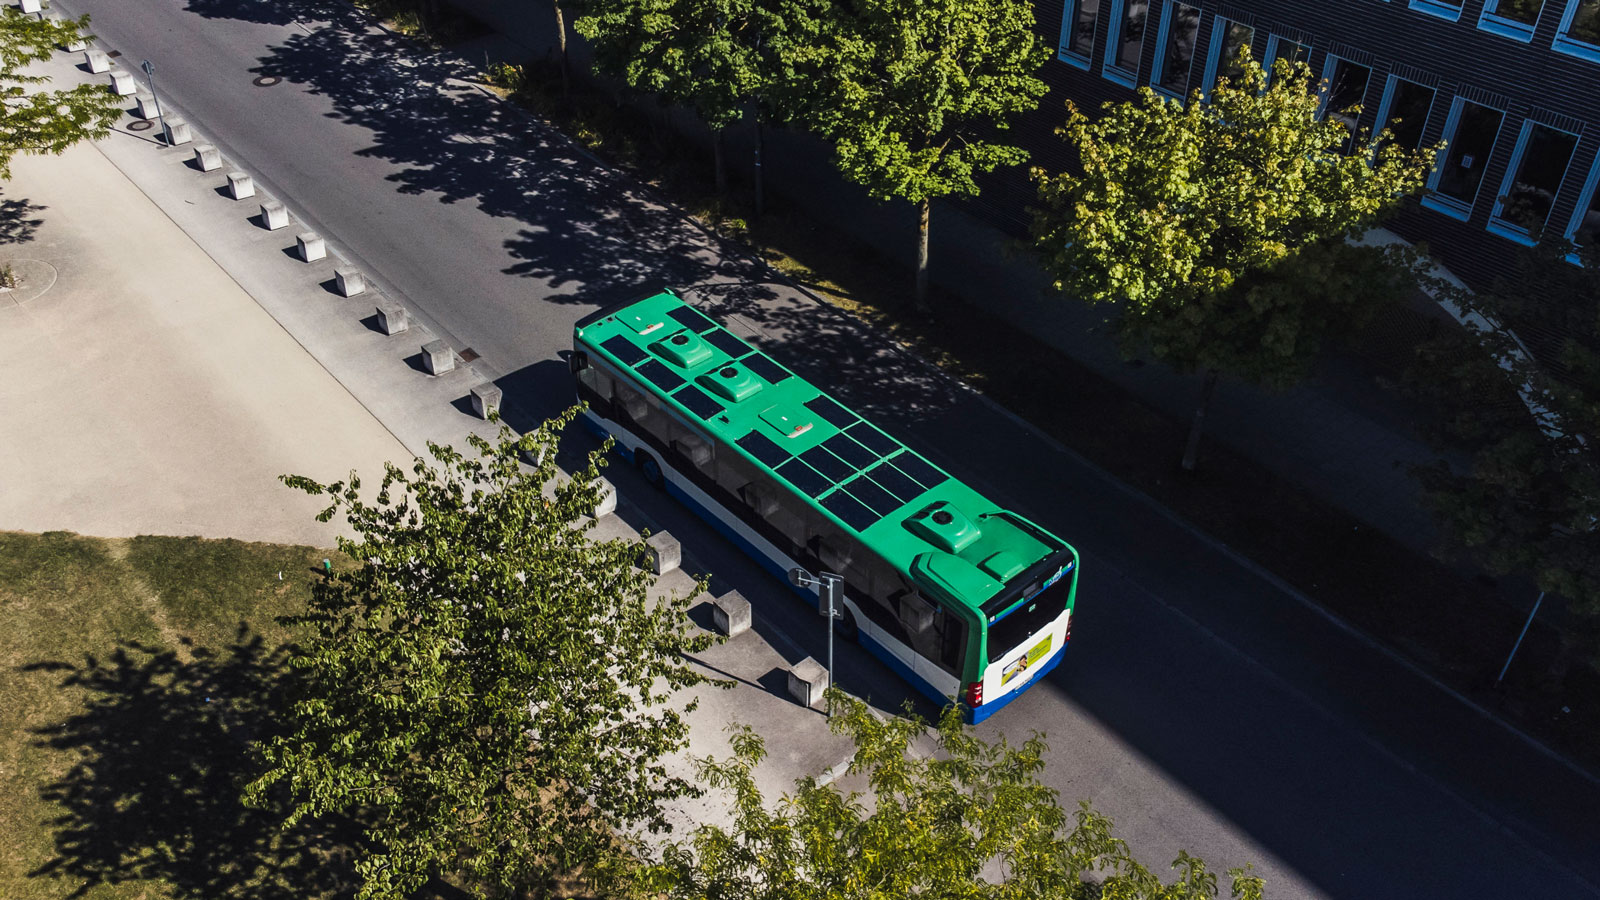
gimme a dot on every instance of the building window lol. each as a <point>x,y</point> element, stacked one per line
<point>1283,48</point>
<point>1470,132</point>
<point>1077,32</point>
<point>1227,38</point>
<point>1444,9</point>
<point>1344,90</point>
<point>1532,181</point>
<point>1585,228</point>
<point>1126,41</point>
<point>1180,26</point>
<point>1404,111</point>
<point>1512,18</point>
<point>1579,33</point>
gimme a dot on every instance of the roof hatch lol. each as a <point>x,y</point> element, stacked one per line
<point>684,349</point>
<point>642,323</point>
<point>945,527</point>
<point>790,419</point>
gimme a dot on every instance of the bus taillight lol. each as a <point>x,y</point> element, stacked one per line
<point>973,695</point>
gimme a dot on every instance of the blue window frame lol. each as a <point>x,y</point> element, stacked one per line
<point>1471,131</point>
<point>1282,47</point>
<point>1579,32</point>
<point>1584,229</point>
<point>1227,37</point>
<point>1533,179</point>
<point>1180,30</point>
<point>1444,9</point>
<point>1344,90</point>
<point>1404,110</point>
<point>1125,41</point>
<point>1512,18</point>
<point>1078,22</point>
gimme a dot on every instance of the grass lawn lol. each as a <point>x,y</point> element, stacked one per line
<point>135,672</point>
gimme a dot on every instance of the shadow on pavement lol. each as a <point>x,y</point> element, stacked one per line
<point>19,220</point>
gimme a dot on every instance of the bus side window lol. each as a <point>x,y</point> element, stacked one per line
<point>600,384</point>
<point>943,642</point>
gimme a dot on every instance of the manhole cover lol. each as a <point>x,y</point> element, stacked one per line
<point>141,125</point>
<point>468,355</point>
<point>266,81</point>
<point>33,277</point>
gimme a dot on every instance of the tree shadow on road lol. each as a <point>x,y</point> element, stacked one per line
<point>159,752</point>
<point>19,220</point>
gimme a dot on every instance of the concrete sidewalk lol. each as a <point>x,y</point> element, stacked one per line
<point>142,391</point>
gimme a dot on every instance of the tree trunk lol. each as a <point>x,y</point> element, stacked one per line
<point>722,171</point>
<point>922,257</point>
<point>760,198</point>
<point>1198,426</point>
<point>561,46</point>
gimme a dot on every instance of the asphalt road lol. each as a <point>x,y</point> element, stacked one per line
<point>1202,706</point>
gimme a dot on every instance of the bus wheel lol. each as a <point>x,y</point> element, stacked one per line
<point>845,627</point>
<point>651,470</point>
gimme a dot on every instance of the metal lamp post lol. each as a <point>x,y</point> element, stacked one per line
<point>829,587</point>
<point>150,76</point>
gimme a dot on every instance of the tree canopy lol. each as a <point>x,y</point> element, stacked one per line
<point>957,817</point>
<point>36,120</point>
<point>484,689</point>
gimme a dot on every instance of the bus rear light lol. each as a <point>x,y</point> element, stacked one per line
<point>973,695</point>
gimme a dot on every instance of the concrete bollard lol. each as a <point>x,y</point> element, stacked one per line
<point>731,614</point>
<point>485,399</point>
<point>664,551</point>
<point>273,215</point>
<point>241,185</point>
<point>392,318</point>
<point>98,62</point>
<point>608,499</point>
<point>147,106</point>
<point>311,246</point>
<point>177,131</point>
<point>438,358</point>
<point>122,83</point>
<point>31,6</point>
<point>807,681</point>
<point>77,45</point>
<point>207,158</point>
<point>350,282</point>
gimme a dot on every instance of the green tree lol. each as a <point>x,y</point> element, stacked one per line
<point>704,54</point>
<point>33,120</point>
<point>483,690</point>
<point>910,92</point>
<point>1529,501</point>
<point>1219,229</point>
<point>962,818</point>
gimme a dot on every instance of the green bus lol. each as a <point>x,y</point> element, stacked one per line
<point>969,602</point>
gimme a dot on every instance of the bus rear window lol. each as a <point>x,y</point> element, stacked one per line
<point>1024,622</point>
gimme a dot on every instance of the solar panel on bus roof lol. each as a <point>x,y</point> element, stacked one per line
<point>875,440</point>
<point>660,375</point>
<point>842,446</point>
<point>850,511</point>
<point>895,482</point>
<point>876,498</point>
<point>836,415</point>
<point>805,479</point>
<point>918,468</point>
<point>698,402</point>
<point>761,447</point>
<point>692,319</point>
<point>832,466</point>
<point>727,343</point>
<point>624,350</point>
<point>766,368</point>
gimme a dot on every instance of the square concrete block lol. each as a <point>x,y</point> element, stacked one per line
<point>147,106</point>
<point>392,318</point>
<point>349,281</point>
<point>608,499</point>
<point>731,614</point>
<point>241,185</point>
<point>122,83</point>
<point>207,158</point>
<point>807,681</point>
<point>32,6</point>
<point>311,246</point>
<point>485,399</point>
<point>438,358</point>
<point>98,62</point>
<point>273,215</point>
<point>664,552</point>
<point>177,131</point>
<point>77,45</point>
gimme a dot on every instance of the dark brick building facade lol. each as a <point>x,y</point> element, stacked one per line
<point>1513,85</point>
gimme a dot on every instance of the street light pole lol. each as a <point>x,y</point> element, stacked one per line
<point>1518,645</point>
<point>150,76</point>
<point>828,587</point>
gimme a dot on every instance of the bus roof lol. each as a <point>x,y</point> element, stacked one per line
<point>958,546</point>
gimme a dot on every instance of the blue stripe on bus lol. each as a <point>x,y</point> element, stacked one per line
<point>990,708</point>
